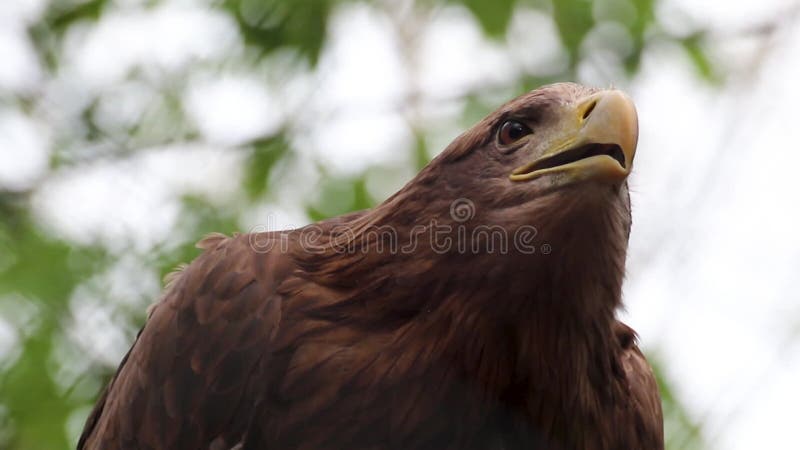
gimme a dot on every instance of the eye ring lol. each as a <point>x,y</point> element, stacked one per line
<point>511,131</point>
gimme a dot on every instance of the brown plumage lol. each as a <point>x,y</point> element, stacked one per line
<point>385,329</point>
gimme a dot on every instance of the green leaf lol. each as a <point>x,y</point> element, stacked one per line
<point>270,25</point>
<point>362,199</point>
<point>694,47</point>
<point>266,152</point>
<point>421,156</point>
<point>28,391</point>
<point>681,431</point>
<point>57,19</point>
<point>44,272</point>
<point>42,266</point>
<point>494,16</point>
<point>574,20</point>
<point>339,196</point>
<point>60,17</point>
<point>644,18</point>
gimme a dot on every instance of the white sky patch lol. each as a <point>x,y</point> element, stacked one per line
<point>603,53</point>
<point>123,105</point>
<point>230,110</point>
<point>134,202</point>
<point>9,343</point>
<point>382,182</point>
<point>771,420</point>
<point>294,180</point>
<point>360,67</point>
<point>117,285</point>
<point>211,172</point>
<point>455,57</point>
<point>271,216</point>
<point>20,71</point>
<point>714,250</point>
<point>670,164</point>
<point>104,331</point>
<point>20,11</point>
<point>100,335</point>
<point>164,38</point>
<point>727,14</point>
<point>353,111</point>
<point>24,150</point>
<point>349,144</point>
<point>107,203</point>
<point>534,42</point>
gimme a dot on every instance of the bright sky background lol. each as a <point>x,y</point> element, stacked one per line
<point>715,253</point>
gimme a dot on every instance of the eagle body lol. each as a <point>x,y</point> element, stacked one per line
<point>405,326</point>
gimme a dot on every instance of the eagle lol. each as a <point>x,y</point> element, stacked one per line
<point>473,309</point>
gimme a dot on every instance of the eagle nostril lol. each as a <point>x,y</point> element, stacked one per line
<point>589,109</point>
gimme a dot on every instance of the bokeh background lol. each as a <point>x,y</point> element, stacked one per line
<point>131,128</point>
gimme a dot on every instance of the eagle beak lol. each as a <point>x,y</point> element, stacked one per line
<point>596,140</point>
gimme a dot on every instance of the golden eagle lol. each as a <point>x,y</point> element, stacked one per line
<point>473,309</point>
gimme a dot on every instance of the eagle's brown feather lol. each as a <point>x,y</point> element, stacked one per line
<point>263,342</point>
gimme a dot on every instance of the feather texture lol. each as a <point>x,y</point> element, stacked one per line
<point>281,345</point>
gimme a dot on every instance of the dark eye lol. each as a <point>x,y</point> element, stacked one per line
<point>511,131</point>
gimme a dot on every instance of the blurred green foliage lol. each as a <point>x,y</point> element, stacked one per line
<point>270,25</point>
<point>494,17</point>
<point>41,404</point>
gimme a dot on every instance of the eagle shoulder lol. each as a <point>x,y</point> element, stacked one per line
<point>191,370</point>
<point>642,388</point>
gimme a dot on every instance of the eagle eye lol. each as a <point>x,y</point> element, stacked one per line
<point>511,131</point>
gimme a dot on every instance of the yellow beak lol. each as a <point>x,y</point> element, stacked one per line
<point>596,140</point>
